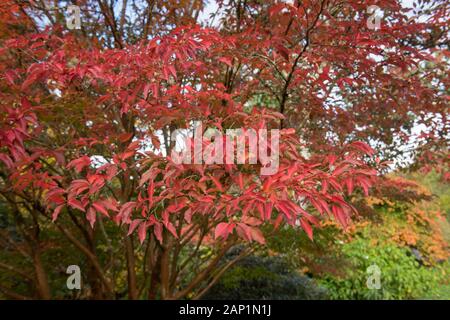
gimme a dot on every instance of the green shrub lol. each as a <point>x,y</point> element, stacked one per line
<point>402,277</point>
<point>258,277</point>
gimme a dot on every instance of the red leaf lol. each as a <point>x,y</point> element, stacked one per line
<point>78,186</point>
<point>109,204</point>
<point>125,211</point>
<point>171,229</point>
<point>307,228</point>
<point>6,160</point>
<point>277,222</point>
<point>150,192</point>
<point>257,235</point>
<point>99,207</point>
<point>227,61</point>
<point>157,230</point>
<point>261,211</point>
<point>349,184</point>
<point>362,146</point>
<point>240,181</point>
<point>283,208</point>
<point>57,212</point>
<point>217,183</point>
<point>142,232</point>
<point>340,215</point>
<point>91,216</point>
<point>268,210</point>
<point>223,229</point>
<point>244,231</point>
<point>79,164</point>
<point>74,203</point>
<point>133,226</point>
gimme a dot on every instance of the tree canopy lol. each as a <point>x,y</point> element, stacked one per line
<point>87,117</point>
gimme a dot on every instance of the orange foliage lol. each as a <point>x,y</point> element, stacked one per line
<point>417,224</point>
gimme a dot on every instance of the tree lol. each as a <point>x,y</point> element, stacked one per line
<point>88,116</point>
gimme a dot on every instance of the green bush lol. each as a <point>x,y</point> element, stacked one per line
<point>402,277</point>
<point>260,278</point>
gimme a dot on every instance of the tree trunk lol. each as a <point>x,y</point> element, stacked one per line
<point>41,276</point>
<point>131,269</point>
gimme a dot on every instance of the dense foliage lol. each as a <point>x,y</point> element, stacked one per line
<point>406,237</point>
<point>87,171</point>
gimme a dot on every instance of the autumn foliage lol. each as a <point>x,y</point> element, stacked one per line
<point>87,116</point>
